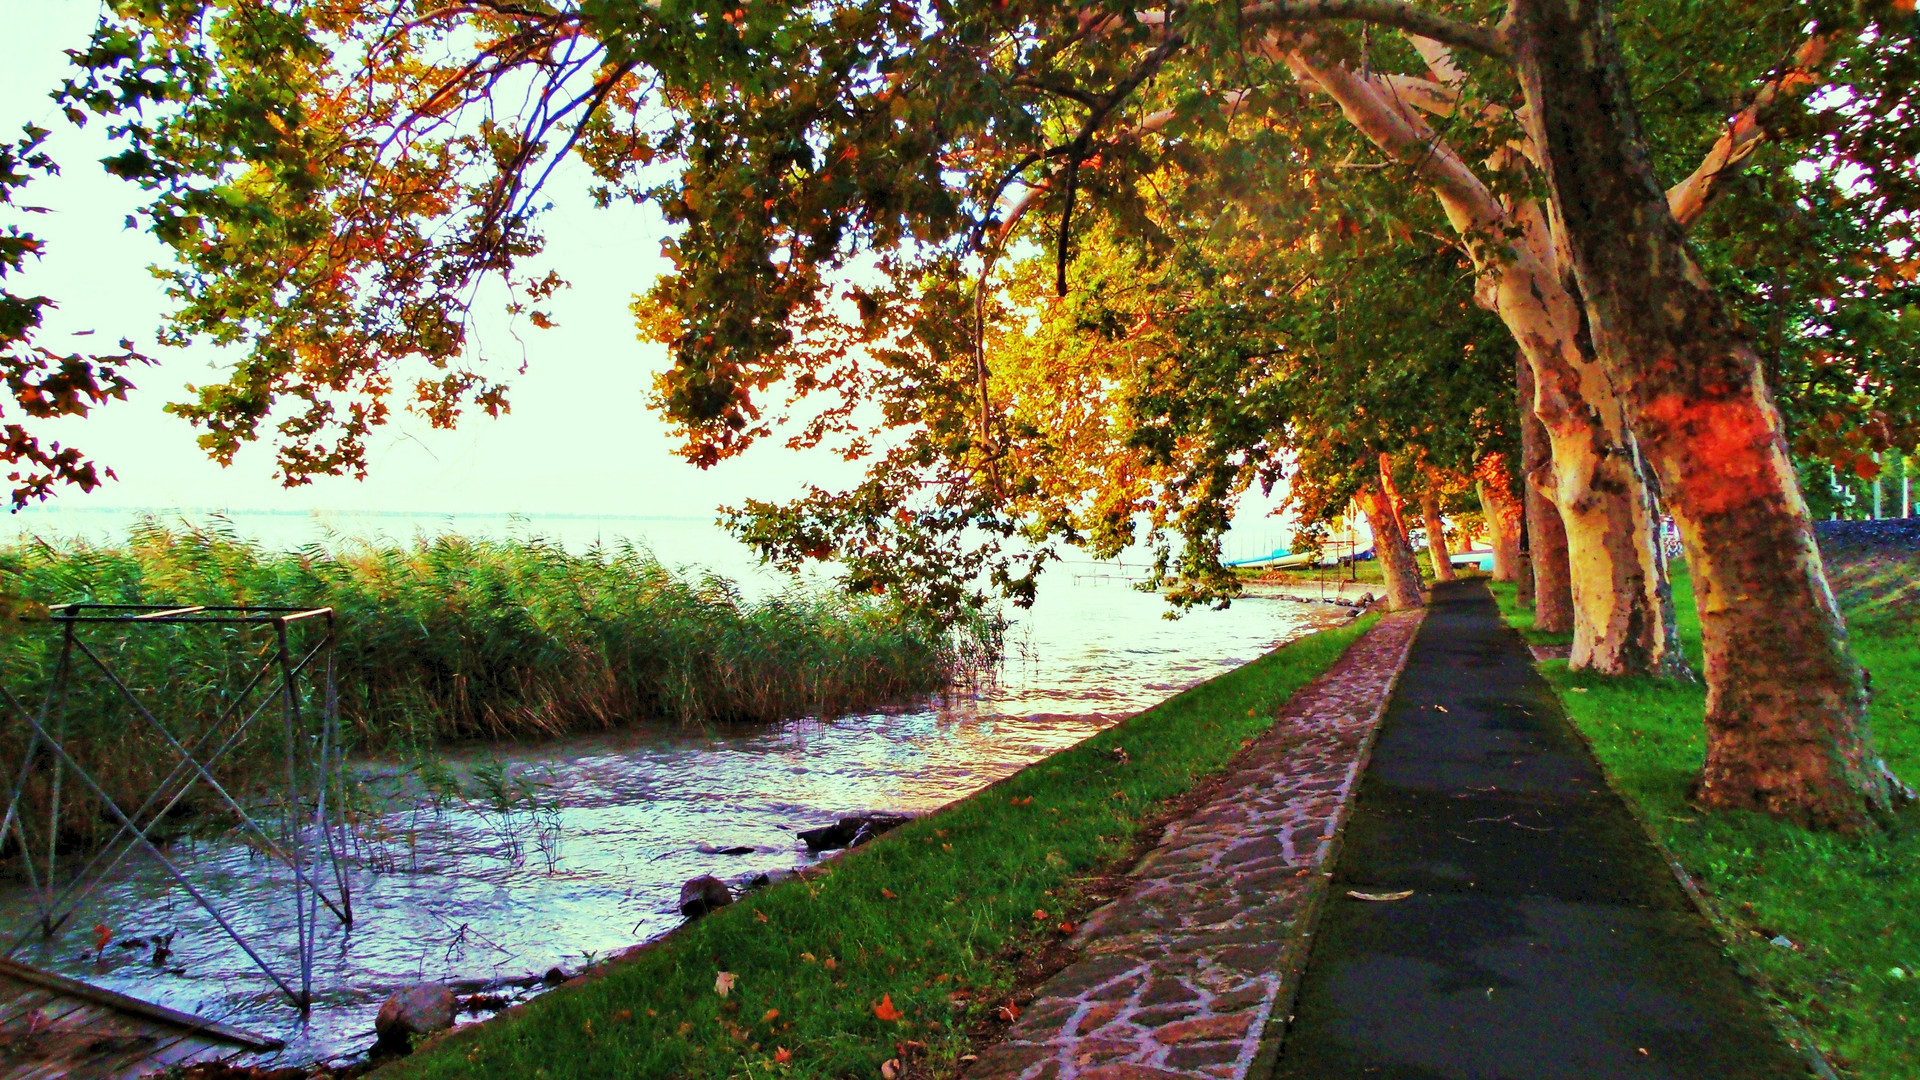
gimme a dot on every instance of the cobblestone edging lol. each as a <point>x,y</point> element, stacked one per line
<point>1178,977</point>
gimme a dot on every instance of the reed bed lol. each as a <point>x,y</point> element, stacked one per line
<point>457,638</point>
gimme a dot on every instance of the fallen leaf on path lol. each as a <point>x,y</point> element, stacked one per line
<point>782,1055</point>
<point>723,983</point>
<point>830,964</point>
<point>1008,1012</point>
<point>1380,896</point>
<point>890,1068</point>
<point>1066,928</point>
<point>1040,915</point>
<point>889,894</point>
<point>807,957</point>
<point>760,916</point>
<point>770,1016</point>
<point>885,1010</point>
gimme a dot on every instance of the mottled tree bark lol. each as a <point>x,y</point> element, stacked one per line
<point>1437,549</point>
<point>1786,707</point>
<point>1392,491</point>
<point>1623,615</point>
<point>1546,534</point>
<point>1390,546</point>
<point>1502,511</point>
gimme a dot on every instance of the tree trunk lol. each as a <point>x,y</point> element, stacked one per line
<point>1623,613</point>
<point>1392,491</point>
<point>1437,550</point>
<point>1502,511</point>
<point>1786,707</point>
<point>1390,546</point>
<point>1546,533</point>
<point>1523,563</point>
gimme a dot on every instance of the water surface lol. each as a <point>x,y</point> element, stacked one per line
<point>589,858</point>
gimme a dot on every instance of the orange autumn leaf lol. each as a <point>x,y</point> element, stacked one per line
<point>885,1009</point>
<point>1040,915</point>
<point>760,916</point>
<point>782,1055</point>
<point>889,894</point>
<point>770,1016</point>
<point>1028,801</point>
<point>102,936</point>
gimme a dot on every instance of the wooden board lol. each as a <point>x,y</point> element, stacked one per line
<point>53,1027</point>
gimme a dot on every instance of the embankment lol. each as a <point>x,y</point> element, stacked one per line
<point>911,947</point>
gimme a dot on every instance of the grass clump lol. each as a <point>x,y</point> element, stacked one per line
<point>930,920</point>
<point>1849,906</point>
<point>454,638</point>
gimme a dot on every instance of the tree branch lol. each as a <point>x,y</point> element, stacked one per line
<point>1746,130</point>
<point>1486,40</point>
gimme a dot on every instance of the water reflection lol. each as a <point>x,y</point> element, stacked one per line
<point>590,859</point>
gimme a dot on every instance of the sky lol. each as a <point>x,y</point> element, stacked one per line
<point>580,438</point>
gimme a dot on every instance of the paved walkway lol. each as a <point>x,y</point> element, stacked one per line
<point>1179,976</point>
<point>1544,937</point>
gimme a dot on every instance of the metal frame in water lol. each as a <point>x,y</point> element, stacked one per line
<point>303,829</point>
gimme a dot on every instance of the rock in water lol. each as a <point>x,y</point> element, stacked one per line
<point>851,831</point>
<point>703,894</point>
<point>417,1010</point>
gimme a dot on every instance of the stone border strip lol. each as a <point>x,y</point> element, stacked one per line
<point>1181,976</point>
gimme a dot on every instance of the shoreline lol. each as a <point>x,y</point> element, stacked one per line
<point>970,983</point>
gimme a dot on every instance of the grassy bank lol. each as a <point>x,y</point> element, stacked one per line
<point>1849,907</point>
<point>932,920</point>
<point>1366,571</point>
<point>454,638</point>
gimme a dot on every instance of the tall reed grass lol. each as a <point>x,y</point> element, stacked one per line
<point>456,638</point>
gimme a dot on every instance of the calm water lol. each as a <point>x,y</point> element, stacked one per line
<point>592,860</point>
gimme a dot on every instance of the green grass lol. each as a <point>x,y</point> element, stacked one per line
<point>939,906</point>
<point>1366,572</point>
<point>1849,905</point>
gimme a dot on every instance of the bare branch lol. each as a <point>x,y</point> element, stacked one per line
<point>1746,130</point>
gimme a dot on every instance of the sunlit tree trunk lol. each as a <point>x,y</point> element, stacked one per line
<point>1391,548</point>
<point>1546,535</point>
<point>1392,491</point>
<point>1623,622</point>
<point>1786,708</point>
<point>1437,549</point>
<point>1503,513</point>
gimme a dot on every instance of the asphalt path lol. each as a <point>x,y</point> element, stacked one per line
<point>1544,937</point>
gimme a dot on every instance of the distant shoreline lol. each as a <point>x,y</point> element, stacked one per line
<point>228,511</point>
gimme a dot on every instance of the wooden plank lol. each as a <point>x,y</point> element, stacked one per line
<point>133,1005</point>
<point>24,1003</point>
<point>54,1008</point>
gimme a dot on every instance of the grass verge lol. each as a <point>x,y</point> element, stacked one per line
<point>1848,906</point>
<point>906,947</point>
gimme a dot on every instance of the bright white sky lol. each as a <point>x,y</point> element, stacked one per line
<point>580,439</point>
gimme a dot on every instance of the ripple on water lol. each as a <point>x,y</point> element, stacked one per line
<point>473,897</point>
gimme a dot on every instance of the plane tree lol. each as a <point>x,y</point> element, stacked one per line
<point>337,179</point>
